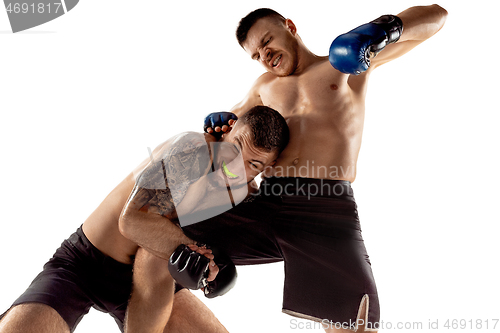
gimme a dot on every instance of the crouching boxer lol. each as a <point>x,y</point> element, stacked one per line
<point>93,267</point>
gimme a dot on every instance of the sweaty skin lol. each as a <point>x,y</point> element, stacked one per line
<point>324,108</point>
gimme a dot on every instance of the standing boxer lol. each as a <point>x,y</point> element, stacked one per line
<point>316,231</point>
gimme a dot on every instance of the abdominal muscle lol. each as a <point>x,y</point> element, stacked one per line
<point>307,165</point>
<point>325,116</point>
<point>319,148</point>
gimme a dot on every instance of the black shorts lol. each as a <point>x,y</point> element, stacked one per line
<point>313,226</point>
<point>78,277</point>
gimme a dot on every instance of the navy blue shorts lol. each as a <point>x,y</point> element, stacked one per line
<point>312,225</point>
<point>79,277</point>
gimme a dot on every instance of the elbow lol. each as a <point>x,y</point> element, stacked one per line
<point>440,9</point>
<point>124,225</point>
<point>422,22</point>
<point>441,15</point>
<point>433,20</point>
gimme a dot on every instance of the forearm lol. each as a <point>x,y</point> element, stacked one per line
<point>421,22</point>
<point>155,233</point>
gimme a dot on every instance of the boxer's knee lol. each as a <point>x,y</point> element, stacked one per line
<point>33,317</point>
<point>182,319</point>
<point>150,305</point>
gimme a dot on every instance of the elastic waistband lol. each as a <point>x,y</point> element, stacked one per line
<point>310,187</point>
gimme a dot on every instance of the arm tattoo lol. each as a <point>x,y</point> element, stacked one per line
<point>165,181</point>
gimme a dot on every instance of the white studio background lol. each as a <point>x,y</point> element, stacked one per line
<point>84,96</point>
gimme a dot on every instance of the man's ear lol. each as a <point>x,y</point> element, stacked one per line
<point>291,26</point>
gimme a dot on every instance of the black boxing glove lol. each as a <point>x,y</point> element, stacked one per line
<point>190,269</point>
<point>225,279</point>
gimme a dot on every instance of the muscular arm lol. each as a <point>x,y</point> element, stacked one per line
<point>144,223</point>
<point>147,216</point>
<point>419,24</point>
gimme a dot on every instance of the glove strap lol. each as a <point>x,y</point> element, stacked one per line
<point>392,25</point>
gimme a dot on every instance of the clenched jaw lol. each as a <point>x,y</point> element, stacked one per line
<point>276,62</point>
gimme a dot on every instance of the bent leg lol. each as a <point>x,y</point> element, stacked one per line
<point>190,315</point>
<point>153,307</point>
<point>33,318</point>
<point>152,294</point>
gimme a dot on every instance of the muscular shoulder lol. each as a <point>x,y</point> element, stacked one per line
<point>264,79</point>
<point>253,97</point>
<point>262,82</point>
<point>179,162</point>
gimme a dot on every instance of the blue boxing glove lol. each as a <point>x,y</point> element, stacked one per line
<point>218,119</point>
<point>350,53</point>
<point>190,269</point>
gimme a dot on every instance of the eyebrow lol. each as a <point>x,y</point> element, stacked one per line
<point>261,43</point>
<point>238,141</point>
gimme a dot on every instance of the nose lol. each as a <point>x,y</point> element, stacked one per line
<point>265,54</point>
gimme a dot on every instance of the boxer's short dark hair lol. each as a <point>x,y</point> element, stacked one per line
<point>268,127</point>
<point>248,21</point>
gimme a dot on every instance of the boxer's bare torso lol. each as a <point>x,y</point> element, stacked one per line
<point>101,227</point>
<point>325,112</point>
